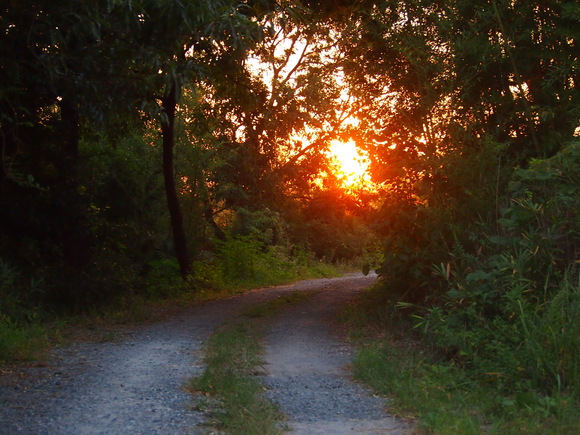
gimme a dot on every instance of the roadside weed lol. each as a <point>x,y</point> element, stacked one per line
<point>232,395</point>
<point>21,343</point>
<point>444,396</point>
<point>245,262</point>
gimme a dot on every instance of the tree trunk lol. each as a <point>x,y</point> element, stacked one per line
<point>75,236</point>
<point>208,213</point>
<point>169,103</point>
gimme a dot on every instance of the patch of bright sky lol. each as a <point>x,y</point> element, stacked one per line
<point>352,164</point>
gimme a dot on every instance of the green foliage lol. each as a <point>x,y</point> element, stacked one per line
<point>452,95</point>
<point>82,208</point>
<point>163,279</point>
<point>20,342</point>
<point>413,241</point>
<point>503,322</point>
<point>445,396</point>
<point>420,220</point>
<point>421,389</point>
<point>447,400</point>
<point>511,312</point>
<point>520,345</point>
<point>18,295</point>
<point>22,336</point>
<point>244,262</point>
<point>332,224</point>
<point>264,226</point>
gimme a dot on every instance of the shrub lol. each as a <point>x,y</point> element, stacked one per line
<point>511,310</point>
<point>163,278</point>
<point>19,343</point>
<point>244,262</point>
<point>18,296</point>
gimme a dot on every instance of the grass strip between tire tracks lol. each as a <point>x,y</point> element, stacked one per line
<point>230,392</point>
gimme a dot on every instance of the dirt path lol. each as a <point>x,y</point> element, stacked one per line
<point>135,385</point>
<point>307,365</point>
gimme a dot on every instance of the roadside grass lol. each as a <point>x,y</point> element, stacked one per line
<point>448,400</point>
<point>441,397</point>
<point>231,393</point>
<point>25,341</point>
<point>209,282</point>
<point>242,263</point>
<point>22,343</point>
<point>239,265</point>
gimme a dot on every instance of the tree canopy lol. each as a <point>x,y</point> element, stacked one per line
<point>132,128</point>
<point>147,140</point>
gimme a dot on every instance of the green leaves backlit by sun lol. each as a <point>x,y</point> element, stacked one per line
<point>349,164</point>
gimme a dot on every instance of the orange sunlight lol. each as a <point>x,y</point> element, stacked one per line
<point>350,164</point>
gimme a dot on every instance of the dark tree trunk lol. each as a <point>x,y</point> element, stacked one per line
<point>70,129</point>
<point>75,237</point>
<point>169,103</point>
<point>208,213</point>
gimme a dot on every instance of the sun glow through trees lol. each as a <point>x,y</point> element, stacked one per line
<point>349,164</point>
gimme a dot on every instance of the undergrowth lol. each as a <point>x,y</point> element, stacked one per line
<point>21,342</point>
<point>499,323</point>
<point>244,262</point>
<point>239,264</point>
<point>442,395</point>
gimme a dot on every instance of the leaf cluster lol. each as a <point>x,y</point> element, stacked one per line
<point>512,309</point>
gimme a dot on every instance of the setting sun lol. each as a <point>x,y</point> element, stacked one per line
<point>351,165</point>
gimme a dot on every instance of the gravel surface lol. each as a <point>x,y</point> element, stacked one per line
<point>307,365</point>
<point>136,385</point>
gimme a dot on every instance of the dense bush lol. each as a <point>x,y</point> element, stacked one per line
<point>512,308</point>
<point>245,262</point>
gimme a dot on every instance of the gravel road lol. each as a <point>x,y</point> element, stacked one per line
<point>135,385</point>
<point>307,363</point>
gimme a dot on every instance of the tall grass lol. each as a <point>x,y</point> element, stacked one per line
<point>503,326</point>
<point>519,376</point>
<point>526,344</point>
